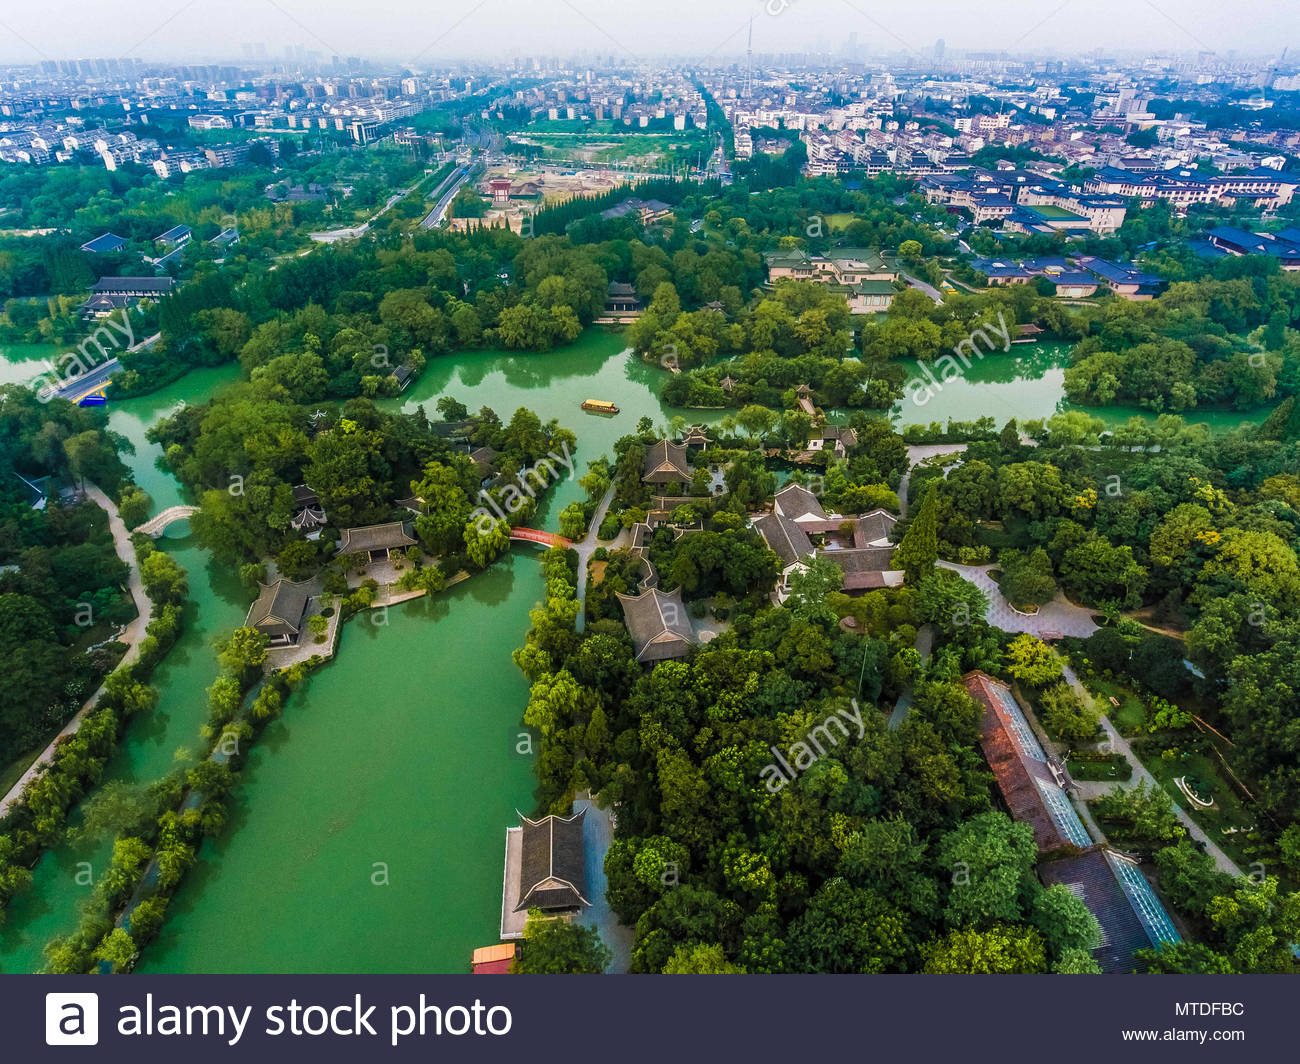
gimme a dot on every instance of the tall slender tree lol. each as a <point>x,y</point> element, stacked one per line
<point>919,550</point>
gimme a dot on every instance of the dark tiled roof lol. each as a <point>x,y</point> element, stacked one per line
<point>1118,273</point>
<point>876,525</point>
<point>552,866</point>
<point>997,268</point>
<point>109,303</point>
<point>1070,277</point>
<point>279,608</point>
<point>795,501</point>
<point>783,536</point>
<point>1092,877</point>
<point>104,242</point>
<point>112,285</point>
<point>305,496</point>
<point>308,519</point>
<point>1276,245</point>
<point>629,205</point>
<point>658,623</point>
<point>840,432</point>
<point>666,460</point>
<point>860,559</point>
<point>864,567</point>
<point>483,457</point>
<point>375,537</point>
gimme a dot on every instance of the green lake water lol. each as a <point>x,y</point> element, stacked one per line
<point>398,756</point>
<point>23,363</point>
<point>395,762</point>
<point>146,753</point>
<point>132,417</point>
<point>1025,383</point>
<point>401,751</point>
<point>148,749</point>
<point>554,384</point>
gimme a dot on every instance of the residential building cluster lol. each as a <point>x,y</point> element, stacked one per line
<point>662,100</point>
<point>46,116</point>
<point>1025,201</point>
<point>921,120</point>
<point>861,274</point>
<point>1075,277</point>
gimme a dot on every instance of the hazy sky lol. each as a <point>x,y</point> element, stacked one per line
<point>426,30</point>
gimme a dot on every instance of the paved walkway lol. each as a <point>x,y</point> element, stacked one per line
<point>1055,619</point>
<point>924,286</point>
<point>586,549</point>
<point>924,641</point>
<point>1087,789</point>
<point>157,524</point>
<point>354,231</point>
<point>131,636</point>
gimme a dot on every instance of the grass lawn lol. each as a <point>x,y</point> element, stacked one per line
<point>999,535</point>
<point>1130,716</point>
<point>1105,769</point>
<point>840,219</point>
<point>1196,759</point>
<point>1048,210</point>
<point>12,772</point>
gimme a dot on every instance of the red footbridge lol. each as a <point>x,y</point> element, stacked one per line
<point>546,539</point>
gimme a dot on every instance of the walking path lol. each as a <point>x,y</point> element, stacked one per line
<point>586,549</point>
<point>157,524</point>
<point>1087,789</point>
<point>131,636</point>
<point>353,231</point>
<point>1055,619</point>
<point>924,641</point>
<point>924,286</point>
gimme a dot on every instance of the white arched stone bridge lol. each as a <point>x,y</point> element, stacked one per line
<point>157,524</point>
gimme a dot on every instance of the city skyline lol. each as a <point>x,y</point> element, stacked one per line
<point>500,29</point>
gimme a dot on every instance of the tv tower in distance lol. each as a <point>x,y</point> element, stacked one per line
<point>749,60</point>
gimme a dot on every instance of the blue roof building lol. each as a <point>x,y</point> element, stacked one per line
<point>1127,281</point>
<point>1284,246</point>
<point>174,237</point>
<point>37,494</point>
<point>105,242</point>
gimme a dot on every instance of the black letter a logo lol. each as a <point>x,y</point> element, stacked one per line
<point>74,1024</point>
